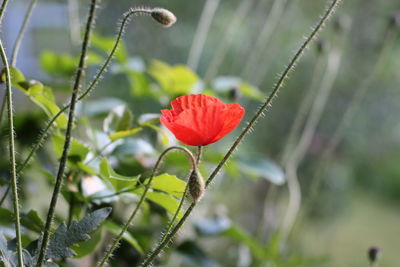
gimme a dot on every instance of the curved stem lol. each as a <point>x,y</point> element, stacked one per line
<point>92,85</point>
<point>246,130</point>
<point>178,210</point>
<point>21,32</point>
<point>13,168</point>
<point>68,133</point>
<point>115,243</point>
<point>202,30</point>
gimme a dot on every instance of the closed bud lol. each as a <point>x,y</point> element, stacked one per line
<point>373,254</point>
<point>163,16</point>
<point>196,186</point>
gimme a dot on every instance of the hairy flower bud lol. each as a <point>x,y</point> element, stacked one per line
<point>163,16</point>
<point>196,186</point>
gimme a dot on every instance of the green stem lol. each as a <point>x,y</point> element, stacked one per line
<point>92,85</point>
<point>252,122</point>
<point>21,32</point>
<point>68,133</point>
<point>178,210</point>
<point>115,243</point>
<point>14,185</point>
<point>3,9</point>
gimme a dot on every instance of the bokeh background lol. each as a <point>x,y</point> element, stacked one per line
<point>357,203</point>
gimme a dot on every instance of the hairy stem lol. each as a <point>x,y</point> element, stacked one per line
<point>92,85</point>
<point>115,243</point>
<point>68,133</point>
<point>21,32</point>
<point>246,130</point>
<point>14,185</point>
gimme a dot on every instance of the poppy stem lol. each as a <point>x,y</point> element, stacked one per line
<point>330,10</point>
<point>13,170</point>
<point>68,134</point>
<point>115,243</point>
<point>97,78</point>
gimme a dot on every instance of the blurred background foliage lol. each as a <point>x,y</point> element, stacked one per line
<point>356,203</point>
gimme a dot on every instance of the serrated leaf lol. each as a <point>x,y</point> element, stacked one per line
<point>123,134</point>
<point>169,183</point>
<point>32,221</point>
<point>78,232</point>
<point>128,237</point>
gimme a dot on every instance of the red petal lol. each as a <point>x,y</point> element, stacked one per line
<point>182,133</point>
<point>232,116</point>
<point>194,101</point>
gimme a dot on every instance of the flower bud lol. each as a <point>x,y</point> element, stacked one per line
<point>163,16</point>
<point>196,186</point>
<point>373,254</point>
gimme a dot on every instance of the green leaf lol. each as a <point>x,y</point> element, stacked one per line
<point>174,80</point>
<point>77,153</point>
<point>240,235</point>
<point>123,134</point>
<point>105,44</point>
<point>140,85</point>
<point>78,232</point>
<point>85,248</point>
<point>32,221</point>
<point>16,77</point>
<point>119,119</point>
<point>61,65</point>
<point>168,202</point>
<point>128,237</point>
<point>163,134</point>
<point>225,83</point>
<point>119,182</point>
<point>169,183</point>
<point>261,167</point>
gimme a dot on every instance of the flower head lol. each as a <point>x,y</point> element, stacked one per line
<point>199,120</point>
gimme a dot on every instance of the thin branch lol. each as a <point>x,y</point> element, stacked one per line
<point>68,133</point>
<point>11,137</point>
<point>115,243</point>
<point>246,130</point>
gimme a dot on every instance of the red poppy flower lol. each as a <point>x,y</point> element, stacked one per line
<point>199,120</point>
